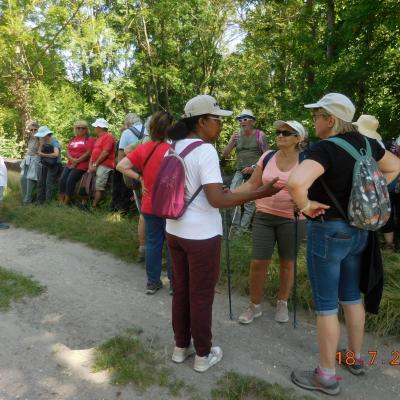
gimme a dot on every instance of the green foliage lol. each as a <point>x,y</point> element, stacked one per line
<point>15,286</point>
<point>132,359</point>
<point>234,386</point>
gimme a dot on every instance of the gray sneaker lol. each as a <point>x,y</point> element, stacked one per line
<point>311,380</point>
<point>180,354</point>
<point>202,364</point>
<point>356,368</point>
<point>151,288</point>
<point>251,312</point>
<point>282,312</point>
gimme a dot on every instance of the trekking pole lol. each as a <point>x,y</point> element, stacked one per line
<point>296,221</point>
<point>227,260</point>
<point>234,215</point>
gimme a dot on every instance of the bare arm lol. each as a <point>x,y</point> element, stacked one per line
<point>55,153</point>
<point>219,198</point>
<point>120,155</point>
<point>389,165</point>
<point>126,168</point>
<point>231,144</point>
<point>300,181</point>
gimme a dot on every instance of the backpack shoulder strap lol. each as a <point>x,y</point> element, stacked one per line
<point>189,148</point>
<point>267,158</point>
<point>345,145</point>
<point>302,156</point>
<point>138,134</point>
<point>150,154</point>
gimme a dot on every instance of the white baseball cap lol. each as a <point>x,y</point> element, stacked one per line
<point>100,123</point>
<point>43,131</point>
<point>336,104</point>
<point>367,125</point>
<point>246,113</point>
<point>297,126</point>
<point>204,104</point>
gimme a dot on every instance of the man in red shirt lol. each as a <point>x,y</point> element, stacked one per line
<point>102,160</point>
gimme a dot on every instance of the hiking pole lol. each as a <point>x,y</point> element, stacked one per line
<point>227,260</point>
<point>234,213</point>
<point>296,223</point>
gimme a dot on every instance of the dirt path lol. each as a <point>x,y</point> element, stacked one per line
<point>92,296</point>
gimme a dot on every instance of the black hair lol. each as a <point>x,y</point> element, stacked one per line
<point>182,128</point>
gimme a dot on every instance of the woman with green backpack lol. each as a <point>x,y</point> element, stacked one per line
<point>341,207</point>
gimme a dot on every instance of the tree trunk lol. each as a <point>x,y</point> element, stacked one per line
<point>330,16</point>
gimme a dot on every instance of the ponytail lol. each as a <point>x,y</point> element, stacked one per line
<point>182,128</point>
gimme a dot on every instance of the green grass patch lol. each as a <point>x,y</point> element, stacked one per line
<point>132,359</point>
<point>15,286</point>
<point>101,230</point>
<point>234,386</point>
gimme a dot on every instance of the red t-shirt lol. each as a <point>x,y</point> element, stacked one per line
<point>105,142</point>
<point>137,157</point>
<point>79,146</point>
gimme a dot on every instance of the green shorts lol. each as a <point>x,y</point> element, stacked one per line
<point>269,229</point>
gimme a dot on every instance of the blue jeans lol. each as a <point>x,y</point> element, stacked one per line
<point>334,258</point>
<point>154,241</point>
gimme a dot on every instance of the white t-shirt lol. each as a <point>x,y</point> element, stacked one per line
<point>3,173</point>
<point>200,221</point>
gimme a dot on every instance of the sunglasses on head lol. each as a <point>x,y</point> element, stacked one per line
<point>81,127</point>
<point>245,119</point>
<point>33,130</point>
<point>285,133</point>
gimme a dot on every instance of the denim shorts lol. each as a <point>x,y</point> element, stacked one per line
<point>334,259</point>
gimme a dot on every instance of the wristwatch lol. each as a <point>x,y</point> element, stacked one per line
<point>254,166</point>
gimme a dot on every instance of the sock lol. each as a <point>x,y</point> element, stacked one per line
<point>326,373</point>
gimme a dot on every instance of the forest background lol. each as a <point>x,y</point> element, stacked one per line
<point>63,60</point>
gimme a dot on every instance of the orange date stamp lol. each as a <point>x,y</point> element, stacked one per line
<point>349,358</point>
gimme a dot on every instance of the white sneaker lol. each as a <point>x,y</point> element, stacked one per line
<point>251,312</point>
<point>282,312</point>
<point>180,354</point>
<point>202,364</point>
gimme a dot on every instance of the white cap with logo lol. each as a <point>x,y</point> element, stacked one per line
<point>100,123</point>
<point>297,126</point>
<point>336,104</point>
<point>246,113</point>
<point>368,125</point>
<point>204,104</point>
<point>43,131</point>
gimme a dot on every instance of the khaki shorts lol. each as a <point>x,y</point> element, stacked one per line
<point>269,229</point>
<point>102,175</point>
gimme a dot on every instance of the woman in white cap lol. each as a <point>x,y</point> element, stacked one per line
<point>194,240</point>
<point>50,160</point>
<point>334,247</point>
<point>274,221</point>
<point>250,144</point>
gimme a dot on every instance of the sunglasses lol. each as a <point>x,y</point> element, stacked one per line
<point>245,119</point>
<point>33,130</point>
<point>285,133</point>
<point>81,127</point>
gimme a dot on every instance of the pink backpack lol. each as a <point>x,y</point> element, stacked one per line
<point>168,195</point>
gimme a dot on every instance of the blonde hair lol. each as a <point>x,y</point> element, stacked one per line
<point>81,122</point>
<point>339,126</point>
<point>131,119</point>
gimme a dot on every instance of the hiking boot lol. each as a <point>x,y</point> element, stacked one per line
<point>202,364</point>
<point>251,312</point>
<point>358,368</point>
<point>151,288</point>
<point>312,380</point>
<point>181,354</point>
<point>282,312</point>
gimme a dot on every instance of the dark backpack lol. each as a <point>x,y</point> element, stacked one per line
<point>136,132</point>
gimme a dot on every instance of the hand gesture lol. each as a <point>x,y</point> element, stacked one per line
<point>269,189</point>
<point>247,171</point>
<point>314,209</point>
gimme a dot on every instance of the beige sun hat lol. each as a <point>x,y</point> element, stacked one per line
<point>368,125</point>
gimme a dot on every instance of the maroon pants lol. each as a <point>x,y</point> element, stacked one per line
<point>195,271</point>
